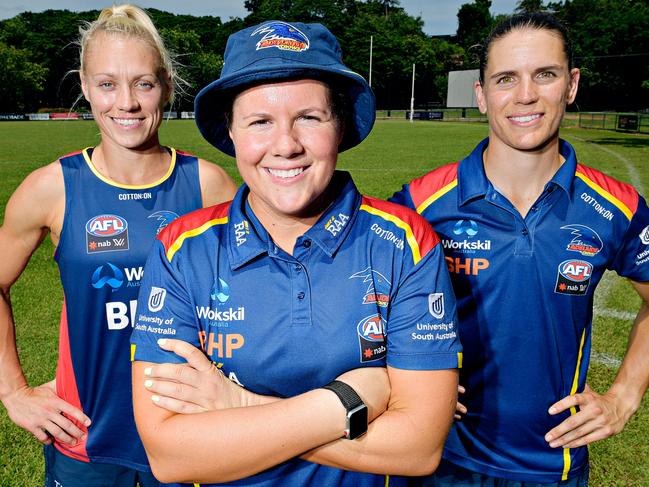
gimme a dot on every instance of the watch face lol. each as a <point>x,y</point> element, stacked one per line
<point>357,422</point>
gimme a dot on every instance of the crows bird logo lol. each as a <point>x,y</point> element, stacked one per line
<point>282,36</point>
<point>585,240</point>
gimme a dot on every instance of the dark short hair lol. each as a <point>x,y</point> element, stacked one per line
<point>531,20</point>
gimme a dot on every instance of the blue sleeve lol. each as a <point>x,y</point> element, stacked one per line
<point>164,310</point>
<point>632,260</point>
<point>403,198</point>
<point>422,323</point>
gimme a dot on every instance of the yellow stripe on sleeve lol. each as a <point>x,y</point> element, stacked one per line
<point>436,195</point>
<point>410,237</point>
<point>175,247</point>
<point>605,194</point>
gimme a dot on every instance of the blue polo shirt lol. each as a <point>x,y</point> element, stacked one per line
<point>366,286</point>
<point>524,288</point>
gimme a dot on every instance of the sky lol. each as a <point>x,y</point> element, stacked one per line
<point>439,16</point>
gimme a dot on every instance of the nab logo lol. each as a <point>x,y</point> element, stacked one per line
<point>371,338</point>
<point>107,275</point>
<point>106,233</point>
<point>573,277</point>
<point>220,291</point>
<point>466,226</point>
<point>156,298</point>
<point>436,305</point>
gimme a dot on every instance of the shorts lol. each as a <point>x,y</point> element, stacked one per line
<point>451,475</point>
<point>63,471</point>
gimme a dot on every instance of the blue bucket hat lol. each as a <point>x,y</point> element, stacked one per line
<point>274,51</point>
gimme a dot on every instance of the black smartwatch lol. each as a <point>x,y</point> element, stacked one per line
<point>356,424</point>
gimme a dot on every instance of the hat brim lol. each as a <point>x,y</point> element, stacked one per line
<point>215,99</point>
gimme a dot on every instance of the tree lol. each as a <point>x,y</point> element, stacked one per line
<point>474,23</point>
<point>530,6</point>
<point>21,81</point>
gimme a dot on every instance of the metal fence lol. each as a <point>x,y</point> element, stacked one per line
<point>629,122</point>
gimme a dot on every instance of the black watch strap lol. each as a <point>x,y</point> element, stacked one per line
<point>346,393</point>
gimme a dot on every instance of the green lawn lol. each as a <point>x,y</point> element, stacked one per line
<point>395,153</point>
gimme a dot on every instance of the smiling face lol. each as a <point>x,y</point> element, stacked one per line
<point>527,86</point>
<point>286,141</point>
<point>122,83</point>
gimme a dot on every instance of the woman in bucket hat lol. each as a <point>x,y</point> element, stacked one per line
<point>330,313</point>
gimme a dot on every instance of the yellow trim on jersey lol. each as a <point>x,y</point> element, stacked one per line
<point>575,383</point>
<point>133,346</point>
<point>436,195</point>
<point>387,481</point>
<point>460,358</point>
<point>175,247</point>
<point>129,186</point>
<point>608,196</point>
<point>410,237</point>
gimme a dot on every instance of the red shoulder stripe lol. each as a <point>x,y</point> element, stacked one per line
<point>431,186</point>
<point>420,236</point>
<point>622,195</point>
<point>191,224</point>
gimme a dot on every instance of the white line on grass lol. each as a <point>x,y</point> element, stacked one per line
<point>606,283</point>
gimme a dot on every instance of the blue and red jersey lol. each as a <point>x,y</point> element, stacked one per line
<point>366,286</point>
<point>524,289</point>
<point>108,230</point>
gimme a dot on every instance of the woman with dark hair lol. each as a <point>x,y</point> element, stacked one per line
<point>293,285</point>
<point>528,233</point>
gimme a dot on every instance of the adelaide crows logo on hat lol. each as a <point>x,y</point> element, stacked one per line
<point>282,36</point>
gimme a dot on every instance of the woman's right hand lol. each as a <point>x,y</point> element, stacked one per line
<point>45,415</point>
<point>196,386</point>
<point>373,385</point>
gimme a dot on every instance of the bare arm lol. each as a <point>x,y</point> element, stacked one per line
<point>407,439</point>
<point>34,209</point>
<point>228,444</point>
<point>604,415</point>
<point>216,185</point>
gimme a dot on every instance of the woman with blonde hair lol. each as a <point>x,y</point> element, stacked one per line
<point>102,207</point>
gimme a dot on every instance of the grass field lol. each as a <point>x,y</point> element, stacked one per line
<point>395,153</point>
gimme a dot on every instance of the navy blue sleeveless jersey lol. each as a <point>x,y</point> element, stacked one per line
<point>524,289</point>
<point>108,230</point>
<point>366,286</point>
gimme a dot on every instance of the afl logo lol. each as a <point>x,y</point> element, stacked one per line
<point>371,338</point>
<point>371,328</point>
<point>106,226</point>
<point>576,270</point>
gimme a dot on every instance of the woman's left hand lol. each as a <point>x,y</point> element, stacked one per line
<point>196,386</point>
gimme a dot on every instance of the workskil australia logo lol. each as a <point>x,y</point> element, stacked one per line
<point>468,245</point>
<point>220,290</point>
<point>106,233</point>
